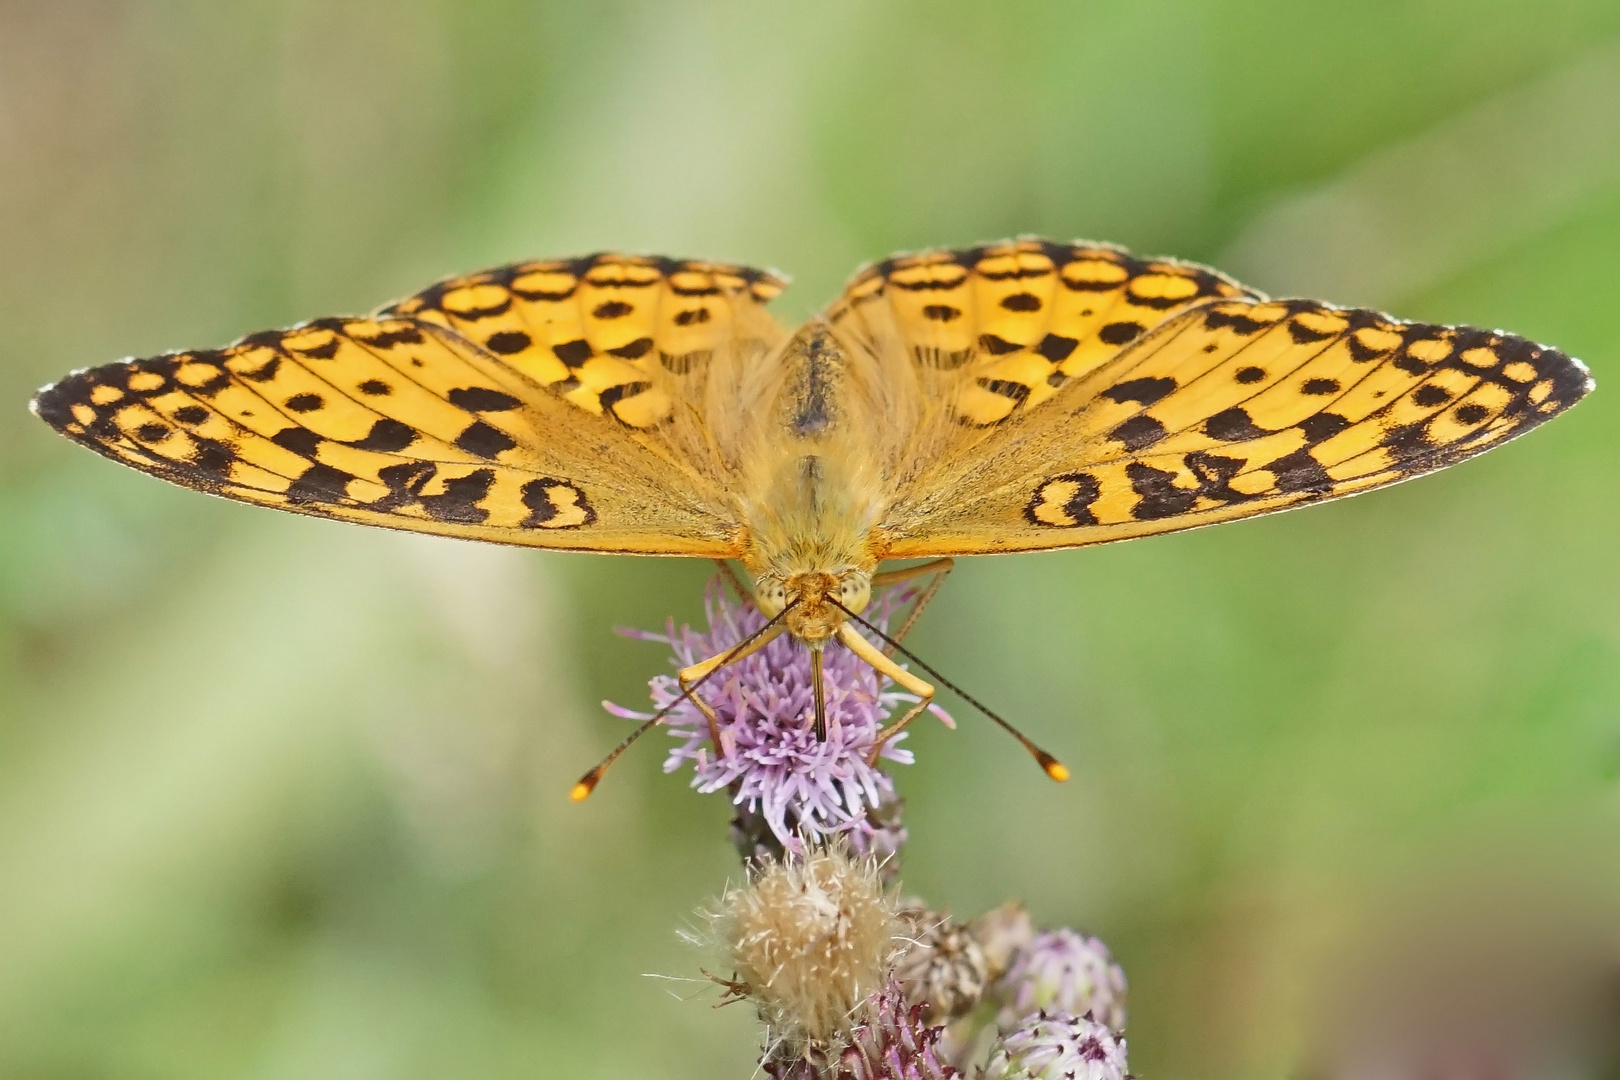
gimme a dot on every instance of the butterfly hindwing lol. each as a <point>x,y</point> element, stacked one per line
<point>619,334</point>
<point>410,421</point>
<point>1002,327</point>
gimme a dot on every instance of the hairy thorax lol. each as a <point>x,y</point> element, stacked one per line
<point>815,497</point>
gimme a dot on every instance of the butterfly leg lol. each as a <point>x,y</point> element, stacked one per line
<point>886,666</point>
<point>938,567</point>
<point>690,676</point>
<point>743,595</point>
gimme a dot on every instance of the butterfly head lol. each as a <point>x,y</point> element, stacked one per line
<point>814,617</point>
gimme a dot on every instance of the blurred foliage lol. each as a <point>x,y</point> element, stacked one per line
<point>285,798</point>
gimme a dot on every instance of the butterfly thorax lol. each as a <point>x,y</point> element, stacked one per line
<point>813,495</point>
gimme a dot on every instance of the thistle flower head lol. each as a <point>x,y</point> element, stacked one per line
<point>895,1044</point>
<point>811,939</point>
<point>1062,971</point>
<point>773,763</point>
<point>941,966</point>
<point>1057,1046</point>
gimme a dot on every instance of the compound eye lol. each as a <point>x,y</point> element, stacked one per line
<point>772,598</point>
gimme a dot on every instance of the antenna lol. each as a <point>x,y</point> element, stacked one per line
<point>587,783</point>
<point>1052,766</point>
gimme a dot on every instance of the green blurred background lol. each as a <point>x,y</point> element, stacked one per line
<point>287,798</point>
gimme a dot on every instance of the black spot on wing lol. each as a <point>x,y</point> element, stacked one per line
<point>1233,425</point>
<point>941,312</point>
<point>191,414</point>
<point>634,349</point>
<point>1235,321</point>
<point>1472,413</point>
<point>1408,440</point>
<point>1056,347</point>
<point>1429,395</point>
<point>376,388</point>
<point>996,345</point>
<point>509,342</point>
<point>1305,335</point>
<point>1144,391</point>
<point>1214,474</point>
<point>1248,375</point>
<point>1159,496</point>
<point>303,403</point>
<point>537,496</point>
<point>387,436</point>
<point>461,497</point>
<point>388,339</point>
<point>213,457</point>
<point>1319,387</point>
<point>613,309</point>
<point>483,440</point>
<point>405,482</point>
<point>1322,425</point>
<point>1300,472</point>
<point>1121,333</point>
<point>324,351</point>
<point>320,483</point>
<point>264,373</point>
<point>1021,301</point>
<point>1077,506</point>
<point>300,440</point>
<point>1139,432</point>
<point>573,353</point>
<point>482,399</point>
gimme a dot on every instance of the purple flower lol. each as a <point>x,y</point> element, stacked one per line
<point>1058,1046</point>
<point>773,764</point>
<point>1062,971</point>
<point>893,1043</point>
<point>896,1044</point>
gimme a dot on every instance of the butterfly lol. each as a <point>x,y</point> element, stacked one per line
<point>1017,396</point>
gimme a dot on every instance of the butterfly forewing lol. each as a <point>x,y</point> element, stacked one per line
<point>1226,407</point>
<point>429,419</point>
<point>625,335</point>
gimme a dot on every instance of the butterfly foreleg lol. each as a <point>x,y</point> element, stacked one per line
<point>937,567</point>
<point>886,666</point>
<point>744,596</point>
<point>696,673</point>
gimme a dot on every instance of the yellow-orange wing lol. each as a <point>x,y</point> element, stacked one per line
<point>1116,397</point>
<point>554,404</point>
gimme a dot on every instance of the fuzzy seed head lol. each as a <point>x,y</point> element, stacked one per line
<point>812,938</point>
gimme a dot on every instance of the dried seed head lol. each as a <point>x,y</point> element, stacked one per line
<point>941,966</point>
<point>1060,1046</point>
<point>1001,933</point>
<point>811,938</point>
<point>1062,971</point>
